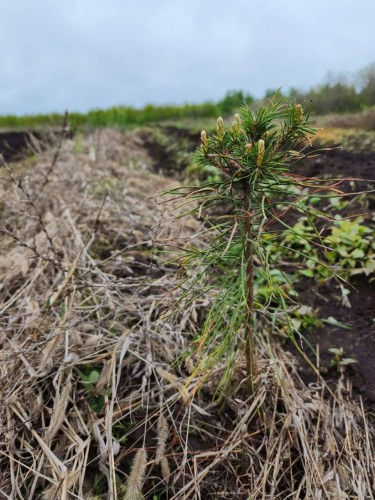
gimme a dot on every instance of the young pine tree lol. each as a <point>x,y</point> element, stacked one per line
<point>255,158</point>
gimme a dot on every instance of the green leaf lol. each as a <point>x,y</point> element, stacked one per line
<point>333,321</point>
<point>370,266</point>
<point>357,253</point>
<point>307,272</point>
<point>93,376</point>
<point>89,379</point>
<point>97,403</point>
<point>347,361</point>
<point>338,351</point>
<point>342,251</point>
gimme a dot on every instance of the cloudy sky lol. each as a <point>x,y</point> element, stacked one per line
<point>84,54</point>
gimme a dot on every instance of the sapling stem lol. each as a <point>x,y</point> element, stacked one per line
<point>249,325</point>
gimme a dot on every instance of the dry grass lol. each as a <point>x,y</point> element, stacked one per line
<point>91,406</point>
<point>364,120</point>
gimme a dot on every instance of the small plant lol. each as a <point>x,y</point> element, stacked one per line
<point>89,377</point>
<point>306,317</point>
<point>258,187</point>
<point>339,360</point>
<point>349,247</point>
<point>353,246</point>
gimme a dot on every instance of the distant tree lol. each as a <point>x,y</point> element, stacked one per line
<point>271,92</point>
<point>233,100</point>
<point>296,93</point>
<point>367,85</point>
<point>337,98</point>
<point>301,96</point>
<point>332,78</point>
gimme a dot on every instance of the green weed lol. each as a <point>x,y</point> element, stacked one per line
<point>339,360</point>
<point>89,376</point>
<point>348,247</point>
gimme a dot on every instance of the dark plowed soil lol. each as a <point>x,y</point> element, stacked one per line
<point>167,154</point>
<point>339,163</point>
<point>17,145</point>
<point>358,340</point>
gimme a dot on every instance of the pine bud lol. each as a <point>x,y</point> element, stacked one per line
<point>248,147</point>
<point>261,149</point>
<point>204,141</point>
<point>299,113</point>
<point>220,128</point>
<point>236,125</point>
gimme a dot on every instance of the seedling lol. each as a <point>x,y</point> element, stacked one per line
<point>338,360</point>
<point>89,380</point>
<point>256,189</point>
<point>306,317</point>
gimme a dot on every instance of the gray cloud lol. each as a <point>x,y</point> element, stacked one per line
<point>83,54</point>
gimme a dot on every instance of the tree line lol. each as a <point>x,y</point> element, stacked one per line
<point>339,94</point>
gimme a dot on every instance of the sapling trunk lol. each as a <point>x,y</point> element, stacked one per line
<point>249,256</point>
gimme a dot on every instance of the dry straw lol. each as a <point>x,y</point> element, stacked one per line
<point>136,478</point>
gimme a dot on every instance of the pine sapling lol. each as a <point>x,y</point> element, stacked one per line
<point>255,158</point>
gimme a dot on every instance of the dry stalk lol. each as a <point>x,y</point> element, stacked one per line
<point>136,479</point>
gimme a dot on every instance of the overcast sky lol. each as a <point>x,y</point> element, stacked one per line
<point>84,54</point>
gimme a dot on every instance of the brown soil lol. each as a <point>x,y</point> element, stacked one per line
<point>164,153</point>
<point>340,163</point>
<point>358,340</point>
<point>15,145</point>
